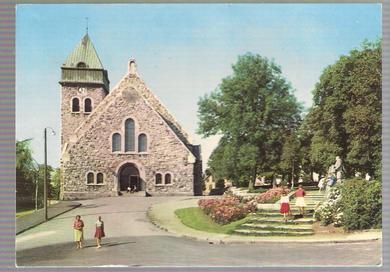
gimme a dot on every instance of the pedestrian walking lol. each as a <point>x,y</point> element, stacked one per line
<point>285,205</point>
<point>300,199</point>
<point>78,226</point>
<point>99,231</point>
<point>322,184</point>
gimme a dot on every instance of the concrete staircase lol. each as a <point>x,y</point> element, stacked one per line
<point>269,222</point>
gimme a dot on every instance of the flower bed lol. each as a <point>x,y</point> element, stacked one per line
<point>272,195</point>
<point>329,211</point>
<point>226,210</point>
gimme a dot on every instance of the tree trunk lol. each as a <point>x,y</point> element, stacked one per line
<point>292,176</point>
<point>252,180</point>
<point>273,181</point>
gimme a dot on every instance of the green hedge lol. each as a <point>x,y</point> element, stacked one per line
<point>361,203</point>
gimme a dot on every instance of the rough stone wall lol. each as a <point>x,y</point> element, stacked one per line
<point>92,150</point>
<point>158,106</point>
<point>69,120</point>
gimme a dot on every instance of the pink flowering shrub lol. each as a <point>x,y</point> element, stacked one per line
<point>272,195</point>
<point>227,209</point>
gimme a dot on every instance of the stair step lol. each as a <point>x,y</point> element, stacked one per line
<point>276,227</point>
<point>276,213</point>
<point>272,233</point>
<point>267,222</point>
<point>292,208</point>
<point>307,207</point>
<point>273,220</point>
<point>139,193</point>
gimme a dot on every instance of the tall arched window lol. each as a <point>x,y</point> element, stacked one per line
<point>99,178</point>
<point>90,178</point>
<point>116,142</point>
<point>168,178</point>
<point>142,143</point>
<point>158,178</point>
<point>87,105</point>
<point>75,105</point>
<point>129,135</point>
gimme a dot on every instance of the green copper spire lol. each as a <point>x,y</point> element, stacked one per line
<point>84,66</point>
<point>84,56</point>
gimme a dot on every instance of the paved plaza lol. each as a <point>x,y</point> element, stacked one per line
<point>132,240</point>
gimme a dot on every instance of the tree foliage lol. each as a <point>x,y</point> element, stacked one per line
<point>55,183</point>
<point>345,120</point>
<point>30,176</point>
<point>290,159</point>
<point>25,169</point>
<point>252,109</point>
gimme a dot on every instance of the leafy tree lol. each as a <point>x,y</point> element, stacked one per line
<point>52,186</point>
<point>290,159</point>
<point>223,162</point>
<point>55,183</point>
<point>30,176</point>
<point>24,159</point>
<point>252,110</point>
<point>25,171</point>
<point>346,117</point>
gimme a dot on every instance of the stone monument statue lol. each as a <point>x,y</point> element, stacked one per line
<point>336,169</point>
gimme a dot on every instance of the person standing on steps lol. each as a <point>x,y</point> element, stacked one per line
<point>285,205</point>
<point>99,231</point>
<point>78,226</point>
<point>322,184</point>
<point>300,199</point>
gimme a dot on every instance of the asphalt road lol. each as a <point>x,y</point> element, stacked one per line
<point>133,241</point>
<point>175,251</point>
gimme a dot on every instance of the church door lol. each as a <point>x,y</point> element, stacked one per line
<point>134,183</point>
<point>129,177</point>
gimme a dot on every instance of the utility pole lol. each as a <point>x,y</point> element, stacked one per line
<point>45,173</point>
<point>45,178</point>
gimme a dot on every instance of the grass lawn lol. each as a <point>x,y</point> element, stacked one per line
<point>195,218</point>
<point>23,213</point>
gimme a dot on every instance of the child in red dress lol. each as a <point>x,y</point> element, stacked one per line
<point>285,205</point>
<point>99,232</point>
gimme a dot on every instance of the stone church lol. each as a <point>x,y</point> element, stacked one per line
<point>112,140</point>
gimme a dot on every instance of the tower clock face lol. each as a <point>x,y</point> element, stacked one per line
<point>82,90</point>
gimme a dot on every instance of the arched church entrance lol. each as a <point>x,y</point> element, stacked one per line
<point>129,177</point>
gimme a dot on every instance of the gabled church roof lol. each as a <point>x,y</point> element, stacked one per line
<point>132,80</point>
<point>84,52</point>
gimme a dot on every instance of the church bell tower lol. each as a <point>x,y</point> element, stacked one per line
<point>84,84</point>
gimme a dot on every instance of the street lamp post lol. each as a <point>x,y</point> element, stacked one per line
<point>45,172</point>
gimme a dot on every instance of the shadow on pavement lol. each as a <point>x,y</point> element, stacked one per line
<point>117,244</point>
<point>91,206</point>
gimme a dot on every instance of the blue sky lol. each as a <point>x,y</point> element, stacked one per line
<point>182,51</point>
